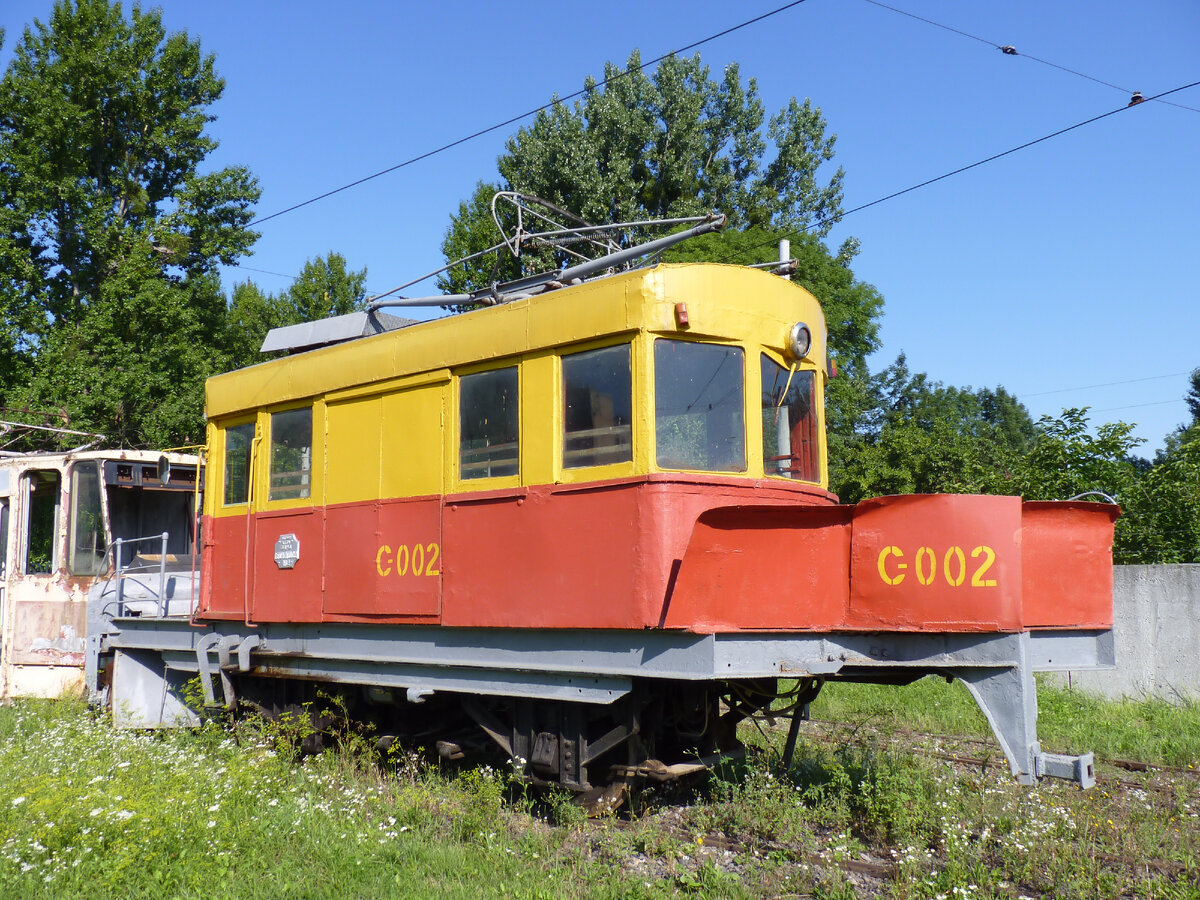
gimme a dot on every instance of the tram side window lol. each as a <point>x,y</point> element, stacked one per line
<point>291,454</point>
<point>597,408</point>
<point>87,541</point>
<point>789,422</point>
<point>699,395</point>
<point>41,524</point>
<point>237,463</point>
<point>488,421</point>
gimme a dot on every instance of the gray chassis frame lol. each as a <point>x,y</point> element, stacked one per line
<point>152,657</point>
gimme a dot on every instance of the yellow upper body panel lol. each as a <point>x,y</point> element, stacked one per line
<point>724,303</point>
<point>385,410</point>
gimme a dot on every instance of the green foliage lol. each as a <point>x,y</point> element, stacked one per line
<point>1151,730</point>
<point>101,135</point>
<point>325,287</point>
<point>673,143</point>
<point>1067,459</point>
<point>132,363</point>
<point>1188,429</point>
<point>110,234</point>
<point>87,811</point>
<point>915,435</point>
<point>1161,511</point>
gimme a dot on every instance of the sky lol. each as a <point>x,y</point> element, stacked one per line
<point>1067,272</point>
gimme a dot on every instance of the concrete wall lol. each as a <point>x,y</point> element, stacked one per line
<point>1156,630</point>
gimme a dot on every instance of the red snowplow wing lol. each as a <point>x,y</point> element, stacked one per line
<point>939,562</point>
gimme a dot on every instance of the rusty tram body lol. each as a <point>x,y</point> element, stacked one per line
<point>72,524</point>
<point>591,527</point>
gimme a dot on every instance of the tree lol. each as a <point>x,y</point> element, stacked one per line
<point>1193,396</point>
<point>916,435</point>
<point>674,143</point>
<point>902,396</point>
<point>325,288</point>
<point>1161,514</point>
<point>102,138</point>
<point>1067,458</point>
<point>1187,430</point>
<point>132,364</point>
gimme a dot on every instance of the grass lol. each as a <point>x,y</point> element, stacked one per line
<point>86,811</point>
<point>1069,721</point>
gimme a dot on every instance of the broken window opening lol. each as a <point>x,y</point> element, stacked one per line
<point>41,523</point>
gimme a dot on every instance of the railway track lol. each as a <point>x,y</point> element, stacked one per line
<point>874,872</point>
<point>884,872</point>
<point>911,738</point>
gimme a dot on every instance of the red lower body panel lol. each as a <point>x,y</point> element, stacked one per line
<point>913,563</point>
<point>694,553</point>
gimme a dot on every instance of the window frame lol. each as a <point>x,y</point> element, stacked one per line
<point>486,482</point>
<point>309,496</point>
<point>57,545</point>
<point>623,468</point>
<point>817,415</point>
<point>260,496</point>
<point>224,429</point>
<point>73,518</point>
<point>747,437</point>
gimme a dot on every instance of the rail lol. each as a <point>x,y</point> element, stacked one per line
<point>137,572</point>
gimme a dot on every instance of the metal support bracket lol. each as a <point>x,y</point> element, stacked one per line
<point>203,646</point>
<point>1007,695</point>
<point>228,647</point>
<point>1080,769</point>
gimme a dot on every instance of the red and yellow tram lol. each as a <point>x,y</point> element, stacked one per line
<point>594,525</point>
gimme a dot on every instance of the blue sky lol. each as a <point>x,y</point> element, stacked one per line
<point>1053,271</point>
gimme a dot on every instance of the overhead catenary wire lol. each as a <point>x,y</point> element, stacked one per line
<point>693,45</point>
<point>1139,405</point>
<point>1088,387</point>
<point>1010,151</point>
<point>517,118</point>
<point>833,219</point>
<point>1010,50</point>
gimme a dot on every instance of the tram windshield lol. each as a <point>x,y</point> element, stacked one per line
<point>699,395</point>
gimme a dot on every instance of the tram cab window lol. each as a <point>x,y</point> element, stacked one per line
<point>789,422</point>
<point>699,395</point>
<point>41,523</point>
<point>3,537</point>
<point>238,439</point>
<point>291,454</point>
<point>597,408</point>
<point>86,540</point>
<point>140,514</point>
<point>489,425</point>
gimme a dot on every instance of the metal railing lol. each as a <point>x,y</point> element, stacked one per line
<point>141,574</point>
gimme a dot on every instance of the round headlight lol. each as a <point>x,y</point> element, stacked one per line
<point>799,341</point>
